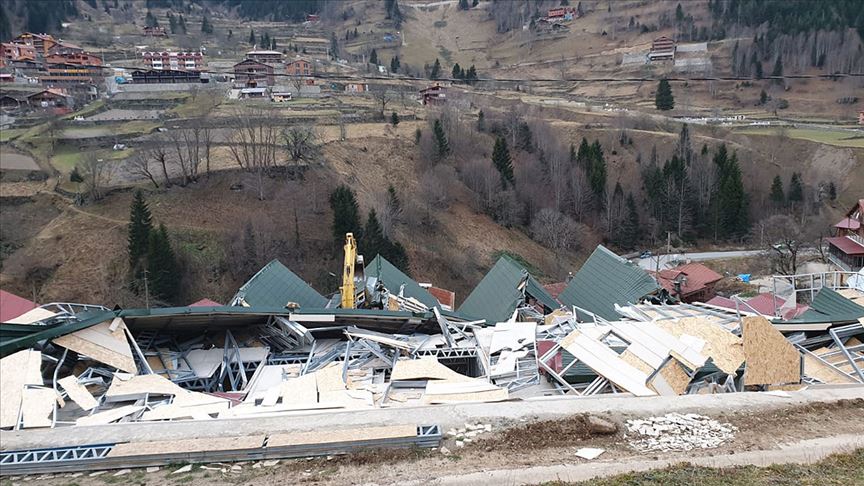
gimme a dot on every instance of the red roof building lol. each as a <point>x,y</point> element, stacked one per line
<point>555,289</point>
<point>12,306</point>
<point>299,67</point>
<point>433,95</point>
<point>692,282</point>
<point>447,298</point>
<point>173,61</point>
<point>77,58</point>
<point>205,303</point>
<point>761,304</point>
<point>846,249</point>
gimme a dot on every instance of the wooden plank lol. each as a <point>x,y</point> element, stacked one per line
<point>103,345</point>
<point>671,377</point>
<point>140,385</point>
<point>346,435</point>
<point>607,363</point>
<point>426,368</point>
<point>660,342</point>
<point>725,349</point>
<point>16,371</point>
<point>108,416</point>
<point>770,358</point>
<point>32,316</point>
<point>630,358</point>
<point>815,368</point>
<point>497,395</point>
<point>329,378</point>
<point>77,392</point>
<point>37,407</point>
<point>131,449</point>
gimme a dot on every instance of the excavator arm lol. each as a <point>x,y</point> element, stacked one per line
<point>347,289</point>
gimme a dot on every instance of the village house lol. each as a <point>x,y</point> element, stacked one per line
<point>662,49</point>
<point>153,76</point>
<point>846,248</point>
<point>155,31</point>
<point>41,42</point>
<point>77,58</point>
<point>280,96</point>
<point>64,48</point>
<point>265,56</point>
<point>49,98</point>
<point>174,61</point>
<point>13,51</point>
<point>66,74</point>
<point>861,117</point>
<point>253,74</point>
<point>356,88</point>
<point>299,67</point>
<point>433,95</point>
<point>692,282</point>
<point>562,14</point>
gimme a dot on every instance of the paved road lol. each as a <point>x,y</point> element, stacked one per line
<point>666,260</point>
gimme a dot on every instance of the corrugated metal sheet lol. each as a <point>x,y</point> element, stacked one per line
<point>275,286</point>
<point>496,296</point>
<point>605,280</point>
<point>394,278</point>
<point>829,306</point>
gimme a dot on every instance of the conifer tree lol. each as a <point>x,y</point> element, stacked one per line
<point>442,146</point>
<point>373,57</point>
<point>140,227</point>
<point>436,70</point>
<point>663,99</point>
<point>630,228</point>
<point>346,213</point>
<point>796,188</point>
<point>394,119</point>
<point>583,156</point>
<point>162,273</point>
<point>252,36</point>
<point>763,97</point>
<point>503,163</point>
<point>730,201</point>
<point>778,69</point>
<point>481,121</point>
<point>776,195</point>
<point>150,20</point>
<point>832,191</point>
<point>457,71</point>
<point>524,138</point>
<point>394,64</point>
<point>463,5</point>
<point>470,75</point>
<point>182,23</point>
<point>206,27</point>
<point>172,23</point>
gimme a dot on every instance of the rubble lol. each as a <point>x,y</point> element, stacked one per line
<point>678,432</point>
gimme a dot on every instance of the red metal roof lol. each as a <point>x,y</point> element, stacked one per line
<point>444,296</point>
<point>846,245</point>
<point>205,303</point>
<point>763,304</point>
<point>848,223</point>
<point>698,277</point>
<point>12,306</point>
<point>722,302</point>
<point>555,289</point>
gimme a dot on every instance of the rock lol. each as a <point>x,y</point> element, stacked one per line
<point>152,469</point>
<point>599,426</point>
<point>270,463</point>
<point>236,468</point>
<point>445,451</point>
<point>185,469</point>
<point>123,472</point>
<point>94,474</point>
<point>75,475</point>
<point>460,444</point>
<point>257,465</point>
<point>488,427</point>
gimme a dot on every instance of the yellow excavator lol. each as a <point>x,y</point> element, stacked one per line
<point>352,261</point>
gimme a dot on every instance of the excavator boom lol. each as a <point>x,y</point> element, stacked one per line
<point>347,288</point>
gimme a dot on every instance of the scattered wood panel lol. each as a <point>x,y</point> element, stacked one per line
<point>140,385</point>
<point>187,445</point>
<point>329,378</point>
<point>497,395</point>
<point>606,363</point>
<point>16,371</point>
<point>77,392</point>
<point>770,358</point>
<point>345,435</point>
<point>176,411</point>
<point>816,368</point>
<point>671,379</point>
<point>348,398</point>
<point>37,407</point>
<point>102,344</point>
<point>108,416</point>
<point>300,390</point>
<point>427,368</point>
<point>723,347</point>
<point>660,342</point>
<point>630,358</point>
<point>32,316</point>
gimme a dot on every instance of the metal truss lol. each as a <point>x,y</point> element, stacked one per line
<point>54,455</point>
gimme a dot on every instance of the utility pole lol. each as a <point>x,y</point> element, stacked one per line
<point>146,291</point>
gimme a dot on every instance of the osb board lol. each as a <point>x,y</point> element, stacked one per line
<point>141,384</point>
<point>770,358</point>
<point>674,377</point>
<point>187,445</point>
<point>815,368</point>
<point>299,391</point>
<point>37,406</point>
<point>324,436</point>
<point>32,316</point>
<point>793,387</point>
<point>606,363</point>
<point>628,357</point>
<point>853,341</point>
<point>498,395</point>
<point>102,344</point>
<point>556,316</point>
<point>348,398</point>
<point>108,416</point>
<point>329,378</point>
<point>77,392</point>
<point>723,347</point>
<point>427,368</point>
<point>16,370</point>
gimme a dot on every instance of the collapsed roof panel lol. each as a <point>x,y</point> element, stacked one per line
<point>604,280</point>
<point>829,306</point>
<point>393,279</point>
<point>498,294</point>
<point>277,286</point>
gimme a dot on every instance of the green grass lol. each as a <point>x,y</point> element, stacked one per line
<point>839,469</point>
<point>66,158</point>
<point>197,106</point>
<point>536,272</point>
<point>830,137</point>
<point>8,134</point>
<point>87,110</point>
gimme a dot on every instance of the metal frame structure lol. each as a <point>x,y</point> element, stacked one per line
<point>814,282</point>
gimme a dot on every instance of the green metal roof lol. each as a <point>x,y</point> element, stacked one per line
<point>604,280</point>
<point>496,296</point>
<point>393,279</point>
<point>13,338</point>
<point>829,306</point>
<point>275,286</point>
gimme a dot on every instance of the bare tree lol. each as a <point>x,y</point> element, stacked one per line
<point>382,96</point>
<point>253,143</point>
<point>301,142</point>
<point>157,151</point>
<point>580,193</point>
<point>142,165</point>
<point>784,239</point>
<point>555,230</point>
<point>96,173</point>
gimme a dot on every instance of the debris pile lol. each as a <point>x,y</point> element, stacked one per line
<point>678,432</point>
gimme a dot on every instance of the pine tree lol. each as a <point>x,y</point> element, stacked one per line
<point>230,34</point>
<point>150,20</point>
<point>778,69</point>
<point>394,64</point>
<point>442,146</point>
<point>664,99</point>
<point>583,156</point>
<point>206,27</point>
<point>796,188</point>
<point>418,134</point>
<point>252,36</point>
<point>172,23</point>
<point>140,227</point>
<point>457,72</point>
<point>630,228</point>
<point>463,5</point>
<point>394,119</point>
<point>832,191</point>
<point>393,201</point>
<point>759,73</point>
<point>346,213</point>
<point>502,161</point>
<point>373,57</point>
<point>373,242</point>
<point>162,273</point>
<point>481,121</point>
<point>182,22</point>
<point>436,69</point>
<point>730,203</point>
<point>776,194</point>
<point>524,138</point>
<point>597,171</point>
<point>75,176</point>
<point>763,97</point>
<point>470,75</point>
